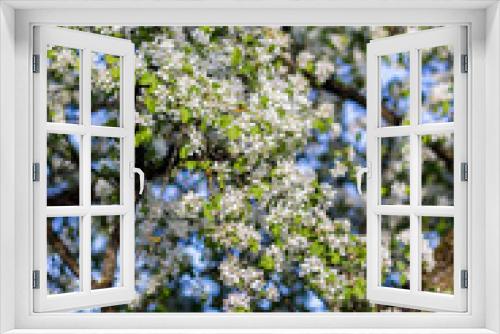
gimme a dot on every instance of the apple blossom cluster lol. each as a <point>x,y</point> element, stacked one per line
<point>237,89</point>
<point>232,219</point>
<point>262,121</point>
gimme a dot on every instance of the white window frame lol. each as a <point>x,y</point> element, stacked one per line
<point>85,297</point>
<point>16,20</point>
<point>454,37</point>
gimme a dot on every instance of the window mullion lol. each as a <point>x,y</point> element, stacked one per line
<point>85,253</point>
<point>414,173</point>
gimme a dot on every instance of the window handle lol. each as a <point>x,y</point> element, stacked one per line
<point>135,170</point>
<point>359,178</point>
<point>141,179</point>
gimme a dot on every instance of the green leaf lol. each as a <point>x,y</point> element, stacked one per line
<point>110,59</point>
<point>236,57</point>
<point>147,78</point>
<point>310,67</point>
<point>276,231</point>
<point>239,165</point>
<point>115,73</point>
<point>144,135</point>
<point>222,183</point>
<point>184,152</point>
<point>150,104</point>
<point>321,125</point>
<point>185,115</point>
<point>335,258</point>
<point>253,245</point>
<point>264,101</point>
<point>359,288</point>
<point>204,164</point>
<point>225,120</point>
<point>446,107</point>
<point>249,39</point>
<point>281,112</point>
<point>331,278</point>
<point>255,130</point>
<point>165,293</point>
<point>216,201</point>
<point>191,164</point>
<point>207,212</point>
<point>317,248</point>
<point>233,133</point>
<point>187,68</point>
<point>266,263</point>
<point>257,192</point>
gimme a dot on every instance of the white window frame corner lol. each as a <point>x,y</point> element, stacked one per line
<point>17,17</point>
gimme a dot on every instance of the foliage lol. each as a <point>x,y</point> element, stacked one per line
<point>250,138</point>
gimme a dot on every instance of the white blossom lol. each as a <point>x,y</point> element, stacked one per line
<point>304,58</point>
<point>339,170</point>
<point>324,69</point>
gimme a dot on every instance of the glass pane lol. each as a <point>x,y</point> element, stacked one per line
<point>105,170</point>
<point>63,169</point>
<point>63,263</point>
<point>395,170</point>
<point>437,169</point>
<point>63,85</point>
<point>437,254</point>
<point>395,89</point>
<point>105,248</point>
<point>437,84</point>
<point>395,252</point>
<point>105,89</point>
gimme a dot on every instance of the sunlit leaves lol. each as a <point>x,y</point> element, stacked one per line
<point>223,113</point>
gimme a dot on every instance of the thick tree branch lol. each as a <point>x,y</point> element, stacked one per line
<point>351,93</point>
<point>348,92</point>
<point>441,276</point>
<point>55,242</point>
<point>109,263</point>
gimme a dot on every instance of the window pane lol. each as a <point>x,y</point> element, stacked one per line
<point>63,169</point>
<point>395,89</point>
<point>105,248</point>
<point>105,170</point>
<point>395,252</point>
<point>63,85</point>
<point>63,263</point>
<point>437,84</point>
<point>105,89</point>
<point>437,169</point>
<point>395,170</point>
<point>437,254</point>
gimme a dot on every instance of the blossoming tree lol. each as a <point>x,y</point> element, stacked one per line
<point>250,138</point>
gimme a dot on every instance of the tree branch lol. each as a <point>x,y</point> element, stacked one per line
<point>351,93</point>
<point>109,263</point>
<point>63,251</point>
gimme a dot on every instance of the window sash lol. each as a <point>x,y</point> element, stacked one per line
<point>85,297</point>
<point>414,297</point>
